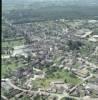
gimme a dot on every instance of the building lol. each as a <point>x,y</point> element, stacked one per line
<point>59,86</point>
<point>92,87</point>
<point>82,72</point>
<point>39,75</point>
<point>87,34</point>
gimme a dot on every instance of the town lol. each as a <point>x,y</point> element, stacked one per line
<point>50,60</point>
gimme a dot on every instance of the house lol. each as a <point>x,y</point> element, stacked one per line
<point>80,91</point>
<point>82,72</point>
<point>57,82</point>
<point>87,98</point>
<point>39,75</point>
<point>52,98</point>
<point>92,21</point>
<point>87,34</point>
<point>92,87</point>
<point>5,85</point>
<point>62,20</point>
<point>5,50</point>
<point>96,37</point>
<point>96,51</point>
<point>60,89</point>
<point>59,86</point>
<point>92,39</point>
<point>61,66</point>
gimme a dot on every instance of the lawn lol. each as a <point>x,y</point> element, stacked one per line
<point>67,76</point>
<point>8,68</point>
<point>14,43</point>
<point>58,75</point>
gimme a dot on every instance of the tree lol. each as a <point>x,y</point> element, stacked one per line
<point>68,98</point>
<point>74,45</point>
<point>55,98</point>
<point>65,80</point>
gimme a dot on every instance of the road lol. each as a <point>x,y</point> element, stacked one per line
<point>43,92</point>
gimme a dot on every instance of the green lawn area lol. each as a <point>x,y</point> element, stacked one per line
<point>67,76</point>
<point>8,68</point>
<point>43,83</point>
<point>13,43</point>
<point>59,75</point>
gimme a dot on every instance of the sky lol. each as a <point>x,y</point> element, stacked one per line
<point>67,1</point>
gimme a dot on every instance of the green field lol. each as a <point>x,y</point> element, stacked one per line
<point>59,75</point>
<point>8,67</point>
<point>13,43</point>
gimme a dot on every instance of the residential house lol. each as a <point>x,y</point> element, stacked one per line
<point>59,86</point>
<point>82,72</point>
<point>39,75</point>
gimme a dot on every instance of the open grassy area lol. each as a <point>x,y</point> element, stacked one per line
<point>43,83</point>
<point>7,68</point>
<point>68,77</point>
<point>14,43</point>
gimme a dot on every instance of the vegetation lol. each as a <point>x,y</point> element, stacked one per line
<point>14,43</point>
<point>74,45</point>
<point>53,49</point>
<point>9,66</point>
<point>68,98</point>
<point>67,76</point>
